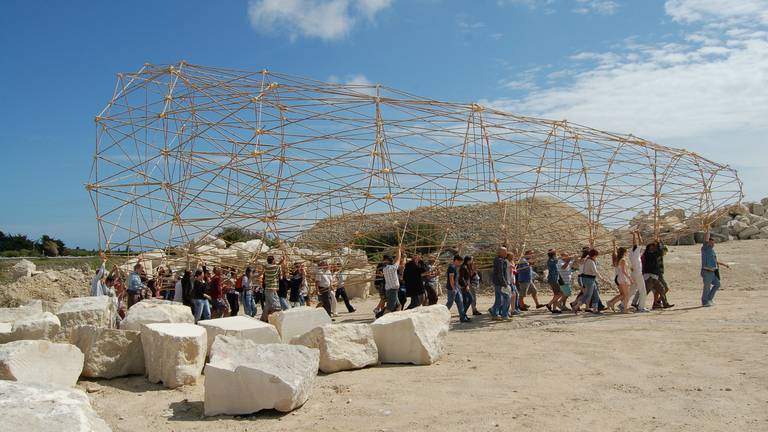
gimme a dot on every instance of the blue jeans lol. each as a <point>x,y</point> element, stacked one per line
<point>504,307</point>
<point>284,303</point>
<point>455,295</point>
<point>202,309</point>
<point>496,308</point>
<point>249,304</point>
<point>711,285</point>
<point>589,293</point>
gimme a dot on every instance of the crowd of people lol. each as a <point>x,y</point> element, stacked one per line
<point>275,285</point>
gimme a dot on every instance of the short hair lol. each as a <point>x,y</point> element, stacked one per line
<point>198,273</point>
<point>137,266</point>
<point>387,258</point>
<point>458,258</point>
<point>593,253</point>
<point>110,278</point>
<point>528,252</point>
<point>270,259</point>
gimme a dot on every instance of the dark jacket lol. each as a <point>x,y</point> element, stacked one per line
<point>500,276</point>
<point>412,277</point>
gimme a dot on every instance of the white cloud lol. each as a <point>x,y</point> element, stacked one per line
<point>602,7</point>
<point>324,19</point>
<point>717,12</point>
<point>707,92</point>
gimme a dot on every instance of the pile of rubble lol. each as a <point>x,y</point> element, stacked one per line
<point>746,221</point>
<point>249,365</point>
<point>51,286</point>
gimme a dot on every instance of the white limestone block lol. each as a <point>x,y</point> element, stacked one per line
<point>40,361</point>
<point>297,321</point>
<point>748,232</point>
<point>150,312</point>
<point>45,408</point>
<point>98,311</point>
<point>42,325</point>
<point>358,282</point>
<point>109,353</point>
<point>244,377</point>
<point>242,327</point>
<point>23,268</point>
<point>9,315</point>
<point>413,336</point>
<point>342,346</point>
<point>174,353</point>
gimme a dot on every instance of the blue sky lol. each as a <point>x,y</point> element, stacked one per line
<point>685,73</point>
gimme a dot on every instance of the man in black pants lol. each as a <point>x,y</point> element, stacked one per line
<point>341,293</point>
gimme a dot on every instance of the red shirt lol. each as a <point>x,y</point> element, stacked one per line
<point>214,288</point>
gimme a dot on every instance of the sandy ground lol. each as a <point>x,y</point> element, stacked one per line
<point>684,369</point>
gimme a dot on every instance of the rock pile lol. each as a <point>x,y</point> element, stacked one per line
<point>51,286</point>
<point>742,222</point>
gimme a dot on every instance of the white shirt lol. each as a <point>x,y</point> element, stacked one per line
<point>323,278</point>
<point>391,279</point>
<point>590,267</point>
<point>565,273</point>
<point>97,286</point>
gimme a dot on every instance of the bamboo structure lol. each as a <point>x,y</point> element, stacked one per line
<point>184,150</point>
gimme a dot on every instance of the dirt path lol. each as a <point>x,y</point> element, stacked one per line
<point>684,369</point>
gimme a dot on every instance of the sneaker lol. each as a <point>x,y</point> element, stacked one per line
<point>467,319</point>
<point>476,313</point>
<point>556,311</point>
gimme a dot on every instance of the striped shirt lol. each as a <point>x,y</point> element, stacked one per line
<point>271,275</point>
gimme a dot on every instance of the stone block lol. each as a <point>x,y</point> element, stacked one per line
<point>757,209</point>
<point>23,268</point>
<point>40,361</point>
<point>109,353</point>
<point>151,312</point>
<point>359,282</point>
<point>686,239</point>
<point>738,226</point>
<point>748,232</point>
<point>413,336</point>
<point>97,311</point>
<point>244,377</point>
<point>297,321</point>
<point>45,408</point>
<point>174,353</point>
<point>9,315</point>
<point>242,327</point>
<point>738,209</point>
<point>342,346</point>
<point>42,325</point>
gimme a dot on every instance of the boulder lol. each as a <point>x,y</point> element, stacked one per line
<point>244,377</point>
<point>764,202</point>
<point>9,315</point>
<point>40,361</point>
<point>738,226</point>
<point>109,353</point>
<point>43,325</point>
<point>753,219</point>
<point>762,223</point>
<point>98,311</point>
<point>342,346</point>
<point>678,213</point>
<point>757,209</point>
<point>174,353</point>
<point>413,336</point>
<point>719,238</point>
<point>242,327</point>
<point>738,209</point>
<point>23,268</point>
<point>151,311</point>
<point>686,239</point>
<point>297,321</point>
<point>45,408</point>
<point>748,232</point>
